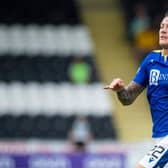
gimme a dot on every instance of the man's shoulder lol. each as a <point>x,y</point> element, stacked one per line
<point>155,54</point>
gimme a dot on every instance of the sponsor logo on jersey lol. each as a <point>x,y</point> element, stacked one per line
<point>156,76</point>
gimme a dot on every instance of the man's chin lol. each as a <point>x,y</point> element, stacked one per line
<point>164,46</point>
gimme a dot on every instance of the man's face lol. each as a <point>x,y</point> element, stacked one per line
<point>163,33</point>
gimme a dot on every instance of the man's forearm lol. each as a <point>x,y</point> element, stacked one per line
<point>129,93</point>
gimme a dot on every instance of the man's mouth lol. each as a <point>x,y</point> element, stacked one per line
<point>163,37</point>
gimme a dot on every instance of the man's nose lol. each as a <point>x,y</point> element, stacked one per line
<point>163,30</point>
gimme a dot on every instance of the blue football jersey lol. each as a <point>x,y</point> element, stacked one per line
<point>153,74</point>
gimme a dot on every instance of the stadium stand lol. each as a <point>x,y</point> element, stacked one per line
<point>38,100</point>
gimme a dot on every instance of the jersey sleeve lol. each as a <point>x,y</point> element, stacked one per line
<point>141,76</point>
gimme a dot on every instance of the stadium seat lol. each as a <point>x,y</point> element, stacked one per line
<point>37,97</point>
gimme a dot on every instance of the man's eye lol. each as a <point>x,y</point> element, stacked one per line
<point>161,26</point>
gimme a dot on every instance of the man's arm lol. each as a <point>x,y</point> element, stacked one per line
<point>128,94</point>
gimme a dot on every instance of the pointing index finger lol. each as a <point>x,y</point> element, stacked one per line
<point>107,87</point>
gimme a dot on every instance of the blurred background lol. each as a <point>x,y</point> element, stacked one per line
<point>55,58</point>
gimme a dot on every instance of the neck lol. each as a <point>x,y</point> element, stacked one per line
<point>165,52</point>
